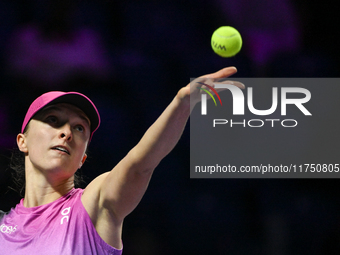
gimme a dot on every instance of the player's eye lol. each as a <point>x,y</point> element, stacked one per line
<point>80,128</point>
<point>52,119</point>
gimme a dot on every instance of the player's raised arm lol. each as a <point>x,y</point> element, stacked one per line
<point>122,189</point>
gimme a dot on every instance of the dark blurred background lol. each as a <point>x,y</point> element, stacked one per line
<point>131,58</point>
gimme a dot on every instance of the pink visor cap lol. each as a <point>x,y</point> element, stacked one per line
<point>74,98</point>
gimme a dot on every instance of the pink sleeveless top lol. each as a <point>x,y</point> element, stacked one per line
<point>58,228</point>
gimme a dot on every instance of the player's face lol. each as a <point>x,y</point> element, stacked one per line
<point>56,140</point>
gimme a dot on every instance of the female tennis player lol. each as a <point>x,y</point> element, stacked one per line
<point>54,217</point>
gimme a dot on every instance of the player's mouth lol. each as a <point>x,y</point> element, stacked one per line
<point>62,149</point>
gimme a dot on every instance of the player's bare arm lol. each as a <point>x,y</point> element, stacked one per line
<point>113,195</point>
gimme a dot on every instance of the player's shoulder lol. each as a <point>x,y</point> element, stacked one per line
<point>91,195</point>
<point>92,190</point>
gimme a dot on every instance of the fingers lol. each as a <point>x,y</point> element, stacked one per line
<point>235,83</point>
<point>225,72</point>
<point>217,77</point>
<point>200,82</point>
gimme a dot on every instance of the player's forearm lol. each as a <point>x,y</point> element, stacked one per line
<point>163,135</point>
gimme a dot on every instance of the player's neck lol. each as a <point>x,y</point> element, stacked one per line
<point>40,191</point>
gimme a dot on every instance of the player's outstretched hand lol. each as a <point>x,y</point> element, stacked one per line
<point>193,94</point>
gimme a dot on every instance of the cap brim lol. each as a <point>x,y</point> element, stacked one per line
<point>83,103</point>
<point>74,98</point>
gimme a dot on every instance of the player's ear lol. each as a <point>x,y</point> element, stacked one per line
<point>21,142</point>
<point>83,161</point>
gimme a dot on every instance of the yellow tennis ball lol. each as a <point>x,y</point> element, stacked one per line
<point>226,41</point>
